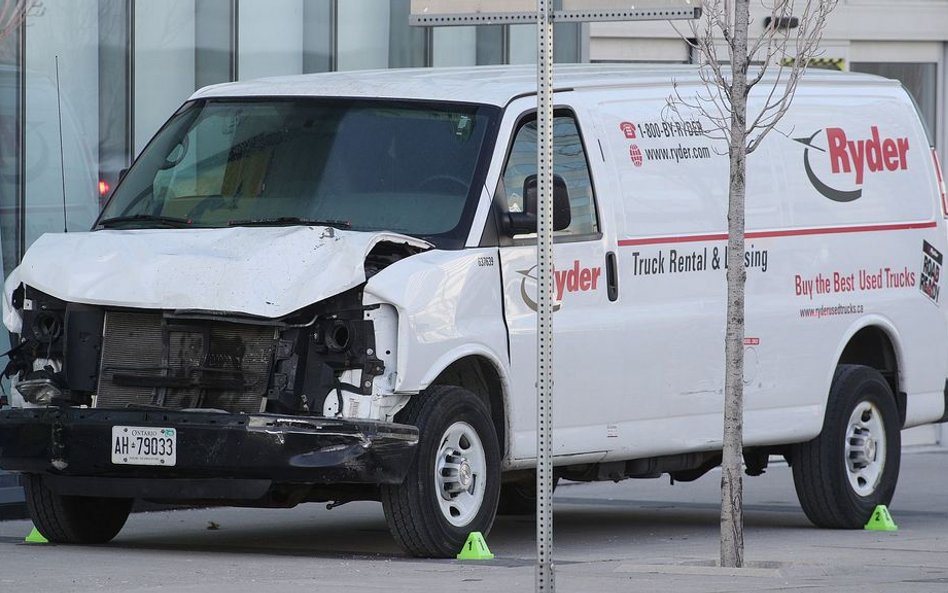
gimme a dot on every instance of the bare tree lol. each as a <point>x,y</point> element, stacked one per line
<point>723,100</point>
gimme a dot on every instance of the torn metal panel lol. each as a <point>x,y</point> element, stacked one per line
<point>261,271</point>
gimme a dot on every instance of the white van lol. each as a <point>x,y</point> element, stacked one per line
<point>323,288</point>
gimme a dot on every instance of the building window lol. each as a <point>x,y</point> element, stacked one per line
<point>269,38</point>
<point>10,128</point>
<point>919,79</point>
<point>319,35</point>
<point>114,80</point>
<point>215,38</point>
<point>407,46</point>
<point>62,165</point>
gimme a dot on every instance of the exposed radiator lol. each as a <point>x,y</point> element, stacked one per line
<point>148,360</point>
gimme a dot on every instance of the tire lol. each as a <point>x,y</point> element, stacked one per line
<point>74,519</point>
<point>853,465</point>
<point>431,513</point>
<point>520,498</point>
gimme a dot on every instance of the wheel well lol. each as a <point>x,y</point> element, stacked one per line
<point>872,347</point>
<point>478,375</point>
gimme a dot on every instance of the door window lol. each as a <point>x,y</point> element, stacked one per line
<point>569,162</point>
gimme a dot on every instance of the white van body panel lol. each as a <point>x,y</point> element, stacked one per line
<point>674,203</point>
<point>201,269</point>
<point>448,304</point>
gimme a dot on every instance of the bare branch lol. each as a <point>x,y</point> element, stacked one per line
<point>782,51</point>
<point>13,13</point>
<point>791,68</point>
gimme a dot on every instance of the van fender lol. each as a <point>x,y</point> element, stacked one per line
<point>479,351</point>
<point>466,351</point>
<point>449,306</point>
<point>442,363</point>
<point>433,369</point>
<point>873,320</point>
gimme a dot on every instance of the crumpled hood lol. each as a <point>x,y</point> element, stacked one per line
<point>263,271</point>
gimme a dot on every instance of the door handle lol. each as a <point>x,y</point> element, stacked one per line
<point>612,276</point>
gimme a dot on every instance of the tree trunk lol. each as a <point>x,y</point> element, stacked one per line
<point>732,505</point>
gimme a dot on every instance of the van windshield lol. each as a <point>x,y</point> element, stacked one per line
<point>407,167</point>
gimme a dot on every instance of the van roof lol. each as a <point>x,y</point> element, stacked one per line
<point>493,85</point>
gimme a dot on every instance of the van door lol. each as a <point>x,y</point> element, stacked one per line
<point>670,199</point>
<point>583,331</point>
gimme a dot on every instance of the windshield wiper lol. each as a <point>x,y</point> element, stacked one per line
<point>290,221</point>
<point>170,221</point>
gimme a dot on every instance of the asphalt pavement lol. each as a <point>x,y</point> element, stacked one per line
<point>634,536</point>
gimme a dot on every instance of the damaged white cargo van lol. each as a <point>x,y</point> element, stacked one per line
<point>323,288</point>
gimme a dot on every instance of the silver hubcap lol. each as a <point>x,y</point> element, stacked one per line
<point>865,448</point>
<point>460,469</point>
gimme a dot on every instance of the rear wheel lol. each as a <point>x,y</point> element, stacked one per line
<point>74,519</point>
<point>453,484</point>
<point>853,465</point>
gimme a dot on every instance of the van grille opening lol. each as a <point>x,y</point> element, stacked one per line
<point>151,360</point>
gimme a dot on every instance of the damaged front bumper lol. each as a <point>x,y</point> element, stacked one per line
<point>218,455</point>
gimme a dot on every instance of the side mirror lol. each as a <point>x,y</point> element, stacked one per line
<point>526,221</point>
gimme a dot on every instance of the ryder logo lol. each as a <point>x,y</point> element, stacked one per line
<point>575,279</point>
<point>852,158</point>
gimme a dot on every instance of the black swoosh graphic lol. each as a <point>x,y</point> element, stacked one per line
<point>532,304</point>
<point>827,191</point>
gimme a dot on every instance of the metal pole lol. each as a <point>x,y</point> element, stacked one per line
<point>544,573</point>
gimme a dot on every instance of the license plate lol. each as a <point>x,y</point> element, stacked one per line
<point>144,445</point>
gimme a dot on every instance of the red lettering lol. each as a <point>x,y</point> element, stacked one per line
<point>560,279</point>
<point>844,283</point>
<point>572,277</point>
<point>858,152</point>
<point>875,154</point>
<point>836,139</point>
<point>575,279</point>
<point>903,148</point>
<point>890,154</point>
<point>874,151</point>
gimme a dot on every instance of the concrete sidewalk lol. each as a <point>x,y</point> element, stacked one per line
<point>633,536</point>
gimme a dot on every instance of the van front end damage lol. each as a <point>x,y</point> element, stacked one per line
<point>192,405</point>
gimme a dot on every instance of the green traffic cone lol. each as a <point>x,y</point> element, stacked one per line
<point>35,537</point>
<point>881,520</point>
<point>475,548</point>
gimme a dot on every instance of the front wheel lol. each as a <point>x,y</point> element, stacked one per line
<point>453,484</point>
<point>853,465</point>
<point>74,519</point>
